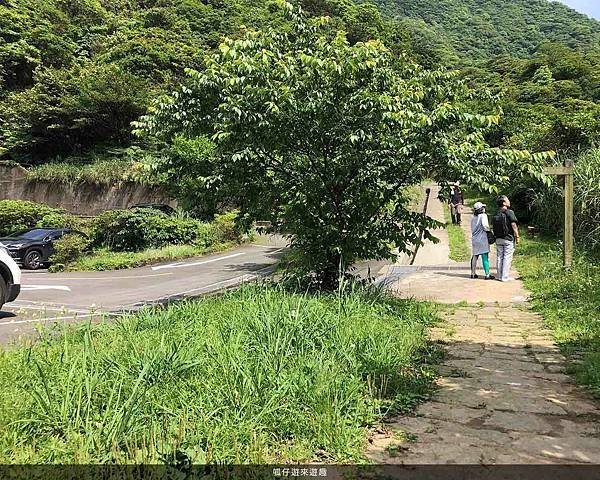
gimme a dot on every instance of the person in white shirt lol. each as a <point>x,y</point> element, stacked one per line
<point>479,239</point>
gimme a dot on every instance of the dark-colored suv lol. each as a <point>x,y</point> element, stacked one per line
<point>33,248</point>
<point>161,207</point>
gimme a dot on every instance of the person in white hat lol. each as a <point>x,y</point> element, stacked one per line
<point>479,238</point>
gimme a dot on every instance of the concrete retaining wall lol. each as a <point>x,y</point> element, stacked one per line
<point>81,199</point>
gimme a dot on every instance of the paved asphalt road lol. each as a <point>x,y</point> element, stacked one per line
<point>70,297</point>
<point>47,299</point>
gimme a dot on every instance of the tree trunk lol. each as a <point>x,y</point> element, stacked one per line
<point>332,273</point>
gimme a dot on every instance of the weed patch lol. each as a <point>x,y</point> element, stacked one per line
<point>256,375</point>
<point>569,300</point>
<point>459,249</point>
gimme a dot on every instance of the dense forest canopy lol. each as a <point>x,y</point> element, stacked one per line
<point>74,74</point>
<point>479,29</point>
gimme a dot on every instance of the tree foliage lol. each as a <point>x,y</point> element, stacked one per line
<point>550,99</point>
<point>322,137</point>
<point>126,52</point>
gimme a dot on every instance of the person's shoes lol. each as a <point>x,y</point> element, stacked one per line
<point>509,279</point>
<point>490,277</point>
<point>474,276</point>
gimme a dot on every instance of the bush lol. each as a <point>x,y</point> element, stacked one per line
<point>58,219</point>
<point>18,215</point>
<point>227,228</point>
<point>137,229</point>
<point>206,235</point>
<point>68,249</point>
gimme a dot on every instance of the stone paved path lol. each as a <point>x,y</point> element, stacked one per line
<point>503,395</point>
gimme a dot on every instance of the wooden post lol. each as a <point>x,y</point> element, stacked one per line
<point>566,172</point>
<point>568,239</point>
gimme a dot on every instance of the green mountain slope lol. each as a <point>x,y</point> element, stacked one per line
<point>74,74</point>
<point>479,29</point>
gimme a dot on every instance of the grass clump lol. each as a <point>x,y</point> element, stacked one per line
<point>569,300</point>
<point>109,171</point>
<point>460,251</point>
<point>104,259</point>
<point>257,375</point>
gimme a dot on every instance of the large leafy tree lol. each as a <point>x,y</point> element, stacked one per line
<point>323,137</point>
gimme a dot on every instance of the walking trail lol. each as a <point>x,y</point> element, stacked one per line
<point>503,395</point>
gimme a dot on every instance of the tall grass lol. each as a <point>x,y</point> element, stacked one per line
<point>104,259</point>
<point>460,250</point>
<point>100,171</point>
<point>257,375</point>
<point>548,203</point>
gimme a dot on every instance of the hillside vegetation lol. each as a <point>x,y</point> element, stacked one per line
<point>74,75</point>
<point>479,29</point>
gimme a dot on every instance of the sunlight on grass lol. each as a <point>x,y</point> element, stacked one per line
<point>101,171</point>
<point>104,259</point>
<point>460,251</point>
<point>568,300</point>
<point>253,376</point>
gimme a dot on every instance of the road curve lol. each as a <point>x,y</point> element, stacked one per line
<point>70,297</point>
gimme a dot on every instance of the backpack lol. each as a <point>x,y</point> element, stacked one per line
<point>500,226</point>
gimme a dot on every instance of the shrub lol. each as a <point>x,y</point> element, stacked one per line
<point>68,249</point>
<point>18,215</point>
<point>137,229</point>
<point>227,228</point>
<point>58,219</point>
<point>206,235</point>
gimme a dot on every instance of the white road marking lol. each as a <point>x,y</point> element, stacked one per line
<point>195,264</point>
<point>29,288</point>
<point>242,278</point>
<point>17,306</point>
<point>38,320</point>
<point>166,274</point>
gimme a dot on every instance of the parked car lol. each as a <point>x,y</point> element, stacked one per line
<point>33,248</point>
<point>10,277</point>
<point>161,207</point>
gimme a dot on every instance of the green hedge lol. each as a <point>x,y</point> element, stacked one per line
<point>68,249</point>
<point>19,215</point>
<point>139,229</point>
